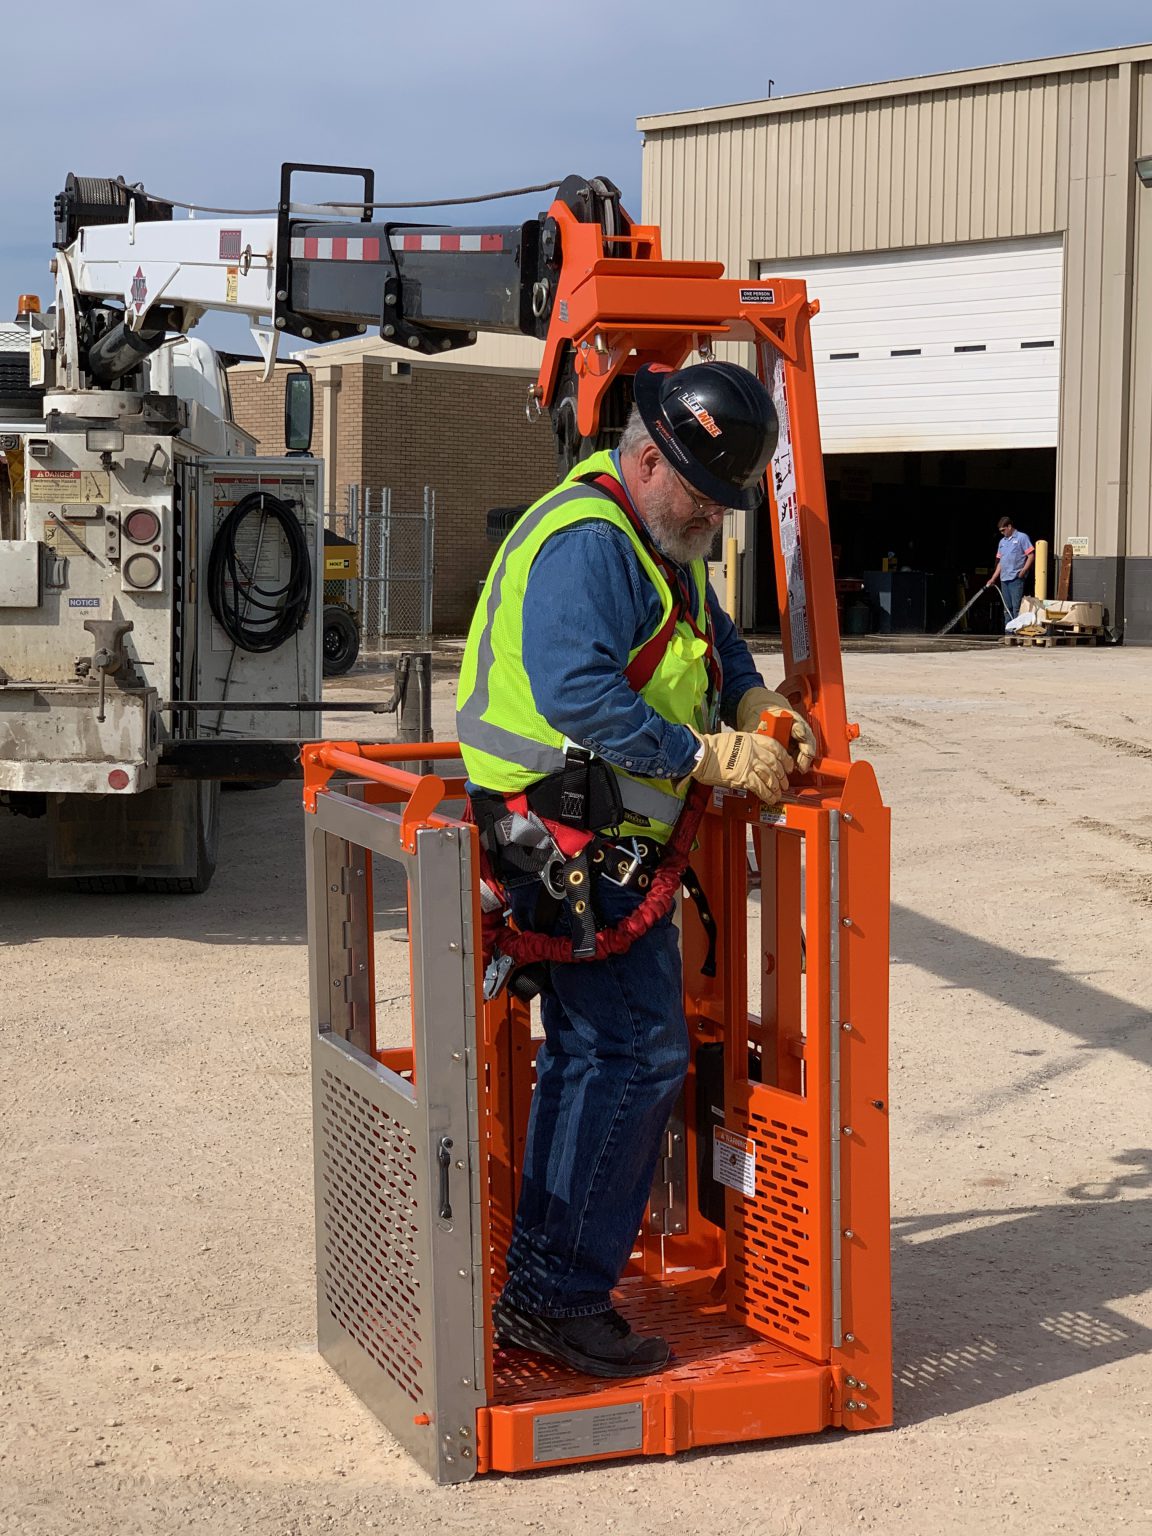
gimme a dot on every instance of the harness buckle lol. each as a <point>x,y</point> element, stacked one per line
<point>637,858</point>
<point>552,875</point>
<point>496,974</point>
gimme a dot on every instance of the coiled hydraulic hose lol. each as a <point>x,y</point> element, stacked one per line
<point>259,618</point>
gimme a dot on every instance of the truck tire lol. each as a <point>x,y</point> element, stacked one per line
<point>341,641</point>
<point>499,522</point>
<point>103,885</point>
<point>207,849</point>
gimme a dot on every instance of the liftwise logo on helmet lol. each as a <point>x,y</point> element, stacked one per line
<point>703,416</point>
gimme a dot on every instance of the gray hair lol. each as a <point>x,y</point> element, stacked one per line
<point>635,433</point>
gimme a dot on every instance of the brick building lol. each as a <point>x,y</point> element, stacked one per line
<point>387,419</point>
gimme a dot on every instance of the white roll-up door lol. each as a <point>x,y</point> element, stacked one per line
<point>945,348</point>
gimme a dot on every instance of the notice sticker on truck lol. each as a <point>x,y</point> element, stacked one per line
<point>734,1160</point>
<point>66,486</point>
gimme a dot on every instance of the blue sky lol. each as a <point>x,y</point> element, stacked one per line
<point>203,102</point>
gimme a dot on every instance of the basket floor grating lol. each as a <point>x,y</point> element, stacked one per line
<point>680,1307</point>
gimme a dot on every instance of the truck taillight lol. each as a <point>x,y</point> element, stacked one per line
<point>142,526</point>
<point>141,571</point>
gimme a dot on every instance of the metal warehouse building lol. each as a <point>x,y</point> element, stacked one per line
<point>981,246</point>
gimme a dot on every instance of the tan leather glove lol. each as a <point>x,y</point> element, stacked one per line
<point>754,703</point>
<point>743,760</point>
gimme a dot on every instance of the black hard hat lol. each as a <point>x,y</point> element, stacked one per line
<point>715,424</point>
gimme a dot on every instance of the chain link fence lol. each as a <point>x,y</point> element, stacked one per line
<point>396,541</point>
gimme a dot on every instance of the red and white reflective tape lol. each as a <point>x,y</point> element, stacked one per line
<point>450,242</point>
<point>335,248</point>
<point>352,248</point>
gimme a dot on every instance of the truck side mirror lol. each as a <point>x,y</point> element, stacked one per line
<point>298,413</point>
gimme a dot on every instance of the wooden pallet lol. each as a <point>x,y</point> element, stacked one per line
<point>1070,634</point>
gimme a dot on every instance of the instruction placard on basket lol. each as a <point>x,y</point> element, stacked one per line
<point>734,1160</point>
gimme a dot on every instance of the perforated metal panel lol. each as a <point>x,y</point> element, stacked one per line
<point>370,1270</point>
<point>401,1283</point>
<point>776,1233</point>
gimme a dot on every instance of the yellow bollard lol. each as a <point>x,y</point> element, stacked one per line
<point>731,575</point>
<point>1041,570</point>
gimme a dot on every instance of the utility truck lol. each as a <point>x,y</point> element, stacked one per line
<point>159,588</point>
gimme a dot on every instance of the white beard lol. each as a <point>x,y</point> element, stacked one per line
<point>670,535</point>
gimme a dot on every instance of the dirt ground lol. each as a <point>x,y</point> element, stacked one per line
<point>156,1291</point>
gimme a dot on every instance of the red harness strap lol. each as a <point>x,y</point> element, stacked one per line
<point>569,840</point>
<point>641,668</point>
<point>525,948</point>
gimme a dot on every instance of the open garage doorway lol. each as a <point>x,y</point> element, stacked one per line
<point>919,531</point>
<point>914,534</point>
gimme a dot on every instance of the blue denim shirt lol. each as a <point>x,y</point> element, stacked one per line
<point>587,605</point>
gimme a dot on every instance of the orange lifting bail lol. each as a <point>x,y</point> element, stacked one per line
<point>618,312</point>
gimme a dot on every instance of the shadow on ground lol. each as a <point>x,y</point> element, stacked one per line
<point>992,1302</point>
<point>1034,984</point>
<point>257,896</point>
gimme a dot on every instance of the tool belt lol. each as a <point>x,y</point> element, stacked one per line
<point>560,831</point>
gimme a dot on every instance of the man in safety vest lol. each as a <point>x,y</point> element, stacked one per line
<point>597,670</point>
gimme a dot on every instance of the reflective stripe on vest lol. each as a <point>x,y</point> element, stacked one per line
<point>475,705</point>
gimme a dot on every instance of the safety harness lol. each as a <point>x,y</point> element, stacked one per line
<point>560,830</point>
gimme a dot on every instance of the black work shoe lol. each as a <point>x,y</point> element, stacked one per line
<point>600,1345</point>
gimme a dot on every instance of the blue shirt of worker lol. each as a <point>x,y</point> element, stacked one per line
<point>1012,551</point>
<point>587,605</point>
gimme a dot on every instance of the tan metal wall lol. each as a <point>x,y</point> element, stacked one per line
<point>1046,154</point>
<point>1140,454</point>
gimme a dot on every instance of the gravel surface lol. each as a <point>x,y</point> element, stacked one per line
<point>158,1372</point>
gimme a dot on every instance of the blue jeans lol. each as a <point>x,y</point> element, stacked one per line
<point>613,1061</point>
<point>1013,591</point>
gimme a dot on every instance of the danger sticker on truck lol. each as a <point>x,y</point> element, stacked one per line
<point>734,1160</point>
<point>69,485</point>
<point>757,295</point>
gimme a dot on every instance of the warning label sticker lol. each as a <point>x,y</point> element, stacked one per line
<point>734,1160</point>
<point>588,1432</point>
<point>757,295</point>
<point>69,485</point>
<point>788,517</point>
